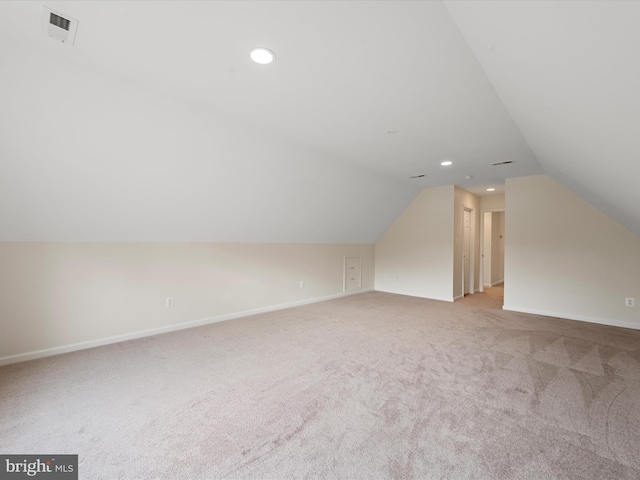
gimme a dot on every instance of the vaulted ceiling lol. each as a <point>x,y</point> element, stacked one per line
<point>568,74</point>
<point>156,125</point>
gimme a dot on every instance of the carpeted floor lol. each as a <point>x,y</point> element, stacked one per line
<point>371,386</point>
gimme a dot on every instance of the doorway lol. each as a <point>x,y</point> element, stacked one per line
<point>492,248</point>
<point>468,258</point>
<point>466,249</point>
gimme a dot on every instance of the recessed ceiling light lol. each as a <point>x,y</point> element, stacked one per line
<point>490,189</point>
<point>263,56</point>
<point>391,131</point>
<point>446,163</point>
<point>468,176</point>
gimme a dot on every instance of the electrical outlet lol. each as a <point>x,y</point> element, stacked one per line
<point>302,284</point>
<point>630,302</point>
<point>168,302</point>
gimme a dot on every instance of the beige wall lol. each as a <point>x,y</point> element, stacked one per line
<point>492,202</point>
<point>415,255</point>
<point>465,199</point>
<point>565,258</point>
<point>55,295</point>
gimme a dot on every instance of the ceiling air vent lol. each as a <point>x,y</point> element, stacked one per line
<point>58,21</point>
<point>59,26</point>
<point>506,162</point>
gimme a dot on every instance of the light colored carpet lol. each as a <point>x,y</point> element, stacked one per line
<point>372,386</point>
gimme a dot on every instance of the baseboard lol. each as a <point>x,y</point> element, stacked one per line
<point>49,352</point>
<point>494,284</point>
<point>580,318</point>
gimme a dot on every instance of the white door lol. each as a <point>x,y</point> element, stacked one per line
<point>465,247</point>
<point>352,273</point>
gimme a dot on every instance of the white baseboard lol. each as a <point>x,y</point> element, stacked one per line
<point>49,352</point>
<point>494,284</point>
<point>580,318</point>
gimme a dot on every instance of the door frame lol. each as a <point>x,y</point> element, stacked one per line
<point>482,212</point>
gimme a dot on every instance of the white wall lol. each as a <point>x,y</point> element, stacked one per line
<point>465,199</point>
<point>565,258</point>
<point>58,297</point>
<point>415,255</point>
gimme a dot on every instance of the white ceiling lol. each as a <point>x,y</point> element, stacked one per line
<point>568,72</point>
<point>451,79</point>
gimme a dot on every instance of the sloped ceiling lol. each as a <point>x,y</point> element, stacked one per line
<point>156,125</point>
<point>568,72</point>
